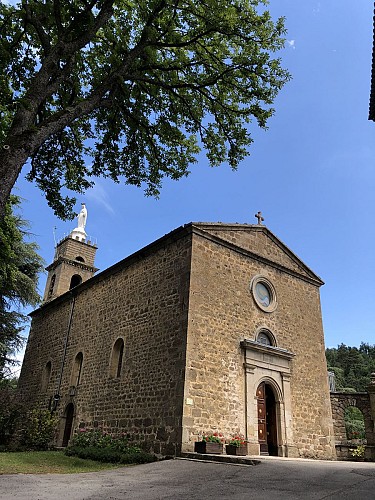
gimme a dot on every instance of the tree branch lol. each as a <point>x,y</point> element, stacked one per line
<point>57,13</point>
<point>34,21</point>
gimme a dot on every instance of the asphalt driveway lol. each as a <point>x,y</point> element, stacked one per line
<point>191,480</point>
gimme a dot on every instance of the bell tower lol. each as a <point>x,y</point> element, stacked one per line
<point>73,262</point>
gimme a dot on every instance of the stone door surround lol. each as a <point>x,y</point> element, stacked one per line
<point>269,364</point>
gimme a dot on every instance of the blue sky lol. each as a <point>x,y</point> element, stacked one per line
<point>311,174</point>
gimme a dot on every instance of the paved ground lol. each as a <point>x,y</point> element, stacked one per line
<point>190,480</point>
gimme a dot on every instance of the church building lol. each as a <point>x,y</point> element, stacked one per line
<point>212,327</point>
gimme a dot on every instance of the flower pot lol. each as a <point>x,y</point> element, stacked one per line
<point>231,449</point>
<point>207,447</point>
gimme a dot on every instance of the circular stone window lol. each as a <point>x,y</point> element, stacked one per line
<point>264,293</point>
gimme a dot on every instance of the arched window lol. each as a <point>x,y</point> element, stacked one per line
<point>80,259</point>
<point>51,285</point>
<point>75,281</point>
<point>77,370</point>
<point>265,337</point>
<point>116,359</point>
<point>46,376</point>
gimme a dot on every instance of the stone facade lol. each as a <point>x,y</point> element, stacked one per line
<point>195,350</point>
<point>223,313</point>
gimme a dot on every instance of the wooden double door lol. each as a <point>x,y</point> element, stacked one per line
<point>267,420</point>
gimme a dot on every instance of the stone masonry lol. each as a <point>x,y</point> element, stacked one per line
<point>72,258</point>
<point>222,313</point>
<point>365,402</point>
<point>191,364</point>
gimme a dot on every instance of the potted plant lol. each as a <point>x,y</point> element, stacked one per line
<point>237,445</point>
<point>211,442</point>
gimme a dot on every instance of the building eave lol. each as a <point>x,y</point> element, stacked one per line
<point>178,233</point>
<point>144,252</point>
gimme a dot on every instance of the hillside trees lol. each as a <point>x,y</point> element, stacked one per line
<point>131,90</point>
<point>352,366</point>
<point>19,268</point>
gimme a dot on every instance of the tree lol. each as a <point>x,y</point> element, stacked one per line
<point>131,90</point>
<point>19,268</point>
<point>11,411</point>
<point>352,366</point>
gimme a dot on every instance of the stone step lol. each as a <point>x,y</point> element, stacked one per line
<point>220,458</point>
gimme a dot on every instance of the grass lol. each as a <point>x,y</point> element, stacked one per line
<point>48,462</point>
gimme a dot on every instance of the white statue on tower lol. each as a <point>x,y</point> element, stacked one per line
<point>79,232</point>
<point>82,217</point>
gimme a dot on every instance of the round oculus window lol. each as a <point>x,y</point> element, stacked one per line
<point>264,293</point>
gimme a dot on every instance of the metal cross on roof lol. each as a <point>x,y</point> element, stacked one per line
<point>259,217</point>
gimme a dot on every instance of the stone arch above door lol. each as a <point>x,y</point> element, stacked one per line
<point>275,386</point>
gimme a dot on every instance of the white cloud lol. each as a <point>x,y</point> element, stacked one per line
<point>291,44</point>
<point>99,195</point>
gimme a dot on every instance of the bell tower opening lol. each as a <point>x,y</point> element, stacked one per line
<point>75,281</point>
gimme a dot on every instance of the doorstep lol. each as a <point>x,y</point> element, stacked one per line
<point>229,459</point>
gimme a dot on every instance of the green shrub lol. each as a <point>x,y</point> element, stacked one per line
<point>354,423</point>
<point>355,430</point>
<point>132,456</point>
<point>85,438</point>
<point>39,429</point>
<point>100,446</point>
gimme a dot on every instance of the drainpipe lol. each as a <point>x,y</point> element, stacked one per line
<point>56,397</point>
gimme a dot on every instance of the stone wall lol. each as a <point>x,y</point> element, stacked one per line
<point>71,248</point>
<point>45,344</point>
<point>361,400</point>
<point>144,301</point>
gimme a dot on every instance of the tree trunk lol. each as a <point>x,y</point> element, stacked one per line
<point>11,163</point>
